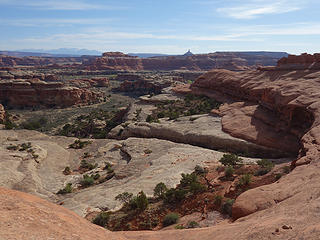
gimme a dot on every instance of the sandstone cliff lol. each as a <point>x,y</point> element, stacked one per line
<point>32,93</point>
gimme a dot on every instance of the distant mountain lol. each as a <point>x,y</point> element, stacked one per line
<point>147,55</point>
<point>61,52</point>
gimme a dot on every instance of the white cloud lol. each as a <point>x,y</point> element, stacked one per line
<point>56,4</point>
<point>256,8</point>
<point>44,22</point>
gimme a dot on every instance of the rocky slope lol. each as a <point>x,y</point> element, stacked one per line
<point>24,216</point>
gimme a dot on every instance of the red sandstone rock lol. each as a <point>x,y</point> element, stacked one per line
<point>23,216</point>
<point>37,93</point>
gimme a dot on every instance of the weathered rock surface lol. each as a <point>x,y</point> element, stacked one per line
<point>304,61</point>
<point>24,216</point>
<point>202,130</point>
<point>139,164</point>
<point>31,93</point>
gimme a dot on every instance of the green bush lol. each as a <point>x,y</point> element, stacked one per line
<point>25,146</point>
<point>66,189</point>
<point>170,219</point>
<point>229,171</point>
<point>230,160</point>
<point>101,219</point>
<point>227,207</point>
<point>84,164</point>
<point>188,179</point>
<point>67,171</point>
<point>218,200</point>
<point>142,201</point>
<point>13,147</point>
<point>34,124</point>
<point>265,167</point>
<point>193,224</point>
<point>87,181</point>
<point>160,190</point>
<point>175,195</point>
<point>197,187</point>
<point>78,144</point>
<point>199,170</point>
<point>245,180</point>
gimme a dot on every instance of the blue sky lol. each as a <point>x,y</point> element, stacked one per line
<point>161,26</point>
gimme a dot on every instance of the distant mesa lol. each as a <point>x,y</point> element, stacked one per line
<point>188,54</point>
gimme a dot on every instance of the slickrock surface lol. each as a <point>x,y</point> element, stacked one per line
<point>27,217</point>
<point>139,164</point>
<point>202,130</point>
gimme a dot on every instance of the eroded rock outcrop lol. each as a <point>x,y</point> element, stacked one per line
<point>200,62</point>
<point>33,92</point>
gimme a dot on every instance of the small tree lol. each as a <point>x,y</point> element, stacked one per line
<point>160,190</point>
<point>230,160</point>
<point>142,201</point>
<point>125,197</point>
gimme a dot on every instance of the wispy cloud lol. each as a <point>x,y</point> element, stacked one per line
<point>57,22</point>
<point>56,4</point>
<point>256,8</point>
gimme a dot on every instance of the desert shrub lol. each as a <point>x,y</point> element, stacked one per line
<point>151,119</point>
<point>24,146</point>
<point>179,227</point>
<point>78,144</point>
<point>218,200</point>
<point>187,179</point>
<point>101,219</point>
<point>193,224</point>
<point>124,197</point>
<point>227,207</point>
<point>84,164</point>
<point>13,147</point>
<point>66,189</point>
<point>174,195</point>
<point>108,167</point>
<point>66,171</point>
<point>245,180</point>
<point>87,181</point>
<point>160,190</point>
<point>96,176</point>
<point>170,219</point>
<point>286,169</point>
<point>199,170</point>
<point>197,187</point>
<point>277,176</point>
<point>147,151</point>
<point>230,159</point>
<point>265,167</point>
<point>229,171</point>
<point>34,124</point>
<point>264,163</point>
<point>8,124</point>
